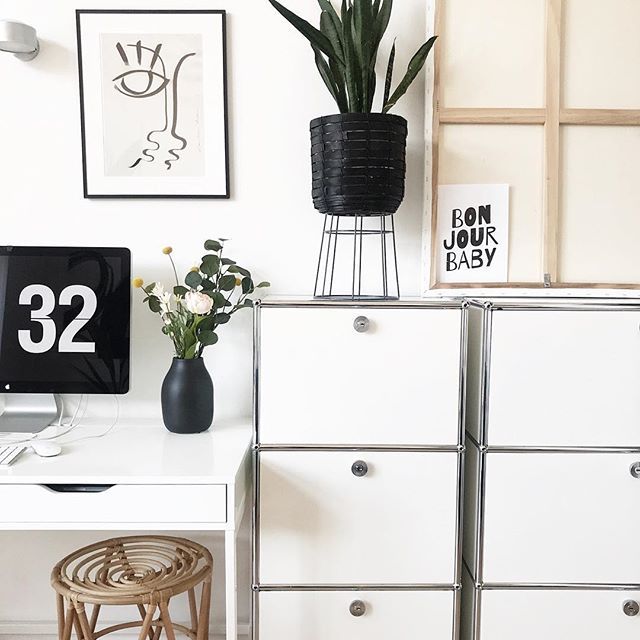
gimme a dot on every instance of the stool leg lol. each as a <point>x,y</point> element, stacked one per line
<point>60,609</point>
<point>144,613</point>
<point>94,617</point>
<point>68,622</point>
<point>87,634</point>
<point>146,624</point>
<point>156,635</point>
<point>193,610</point>
<point>205,604</point>
<point>166,619</point>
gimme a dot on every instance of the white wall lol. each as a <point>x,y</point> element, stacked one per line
<point>274,92</point>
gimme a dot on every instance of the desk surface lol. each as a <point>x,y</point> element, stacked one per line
<point>141,452</point>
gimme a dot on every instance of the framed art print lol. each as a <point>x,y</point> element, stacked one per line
<point>153,94</point>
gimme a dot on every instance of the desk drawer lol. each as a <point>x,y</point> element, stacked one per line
<point>326,615</point>
<point>561,518</point>
<point>322,381</point>
<point>322,524</point>
<point>558,615</point>
<point>121,504</point>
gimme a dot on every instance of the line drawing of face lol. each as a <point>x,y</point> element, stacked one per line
<point>142,80</point>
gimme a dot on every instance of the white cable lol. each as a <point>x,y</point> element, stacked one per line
<point>111,427</point>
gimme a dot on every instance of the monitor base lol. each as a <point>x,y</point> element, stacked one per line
<point>26,412</point>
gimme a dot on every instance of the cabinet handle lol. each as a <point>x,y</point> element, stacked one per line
<point>359,468</point>
<point>634,469</point>
<point>357,608</point>
<point>631,608</point>
<point>361,324</point>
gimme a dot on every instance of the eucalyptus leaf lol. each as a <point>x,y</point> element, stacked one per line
<point>221,318</point>
<point>226,261</point>
<point>154,304</point>
<point>193,279</point>
<point>212,245</point>
<point>180,291</point>
<point>149,288</point>
<point>207,338</point>
<point>227,283</point>
<point>207,285</point>
<point>247,285</point>
<point>263,284</point>
<point>210,264</point>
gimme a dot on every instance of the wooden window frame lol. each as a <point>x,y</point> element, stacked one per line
<point>552,116</point>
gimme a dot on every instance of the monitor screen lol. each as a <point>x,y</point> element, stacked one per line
<point>64,319</point>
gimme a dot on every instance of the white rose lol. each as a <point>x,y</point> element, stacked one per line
<point>198,303</point>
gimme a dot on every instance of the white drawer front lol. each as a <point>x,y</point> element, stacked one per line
<point>558,615</point>
<point>565,378</point>
<point>128,504</point>
<point>320,524</point>
<point>322,615</point>
<point>322,382</point>
<point>562,518</point>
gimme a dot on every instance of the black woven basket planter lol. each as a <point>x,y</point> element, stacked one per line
<point>358,163</point>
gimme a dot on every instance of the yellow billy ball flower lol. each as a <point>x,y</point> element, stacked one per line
<point>167,251</point>
<point>238,281</point>
<point>137,283</point>
<point>195,269</point>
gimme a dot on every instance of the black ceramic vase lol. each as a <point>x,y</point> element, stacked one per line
<point>187,397</point>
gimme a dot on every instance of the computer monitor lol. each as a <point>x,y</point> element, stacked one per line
<point>64,328</point>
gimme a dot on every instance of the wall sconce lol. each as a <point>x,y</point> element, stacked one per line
<point>19,39</point>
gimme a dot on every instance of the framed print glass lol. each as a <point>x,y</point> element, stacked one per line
<point>153,94</point>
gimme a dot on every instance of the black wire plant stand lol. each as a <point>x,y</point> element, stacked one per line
<point>352,233</point>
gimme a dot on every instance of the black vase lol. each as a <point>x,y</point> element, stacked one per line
<point>358,163</point>
<point>187,397</point>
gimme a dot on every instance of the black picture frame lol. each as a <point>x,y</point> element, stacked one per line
<point>83,130</point>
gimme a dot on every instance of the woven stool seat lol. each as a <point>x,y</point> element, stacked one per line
<point>146,571</point>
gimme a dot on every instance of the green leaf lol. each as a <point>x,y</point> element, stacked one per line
<point>247,303</point>
<point>149,288</point>
<point>154,304</point>
<point>207,338</point>
<point>351,63</point>
<point>313,35</point>
<point>212,245</point>
<point>326,75</point>
<point>207,323</point>
<point>415,65</point>
<point>210,264</point>
<point>262,285</point>
<point>207,285</point>
<point>221,318</point>
<point>247,285</point>
<point>389,76</point>
<point>190,352</point>
<point>332,28</point>
<point>226,261</point>
<point>180,291</point>
<point>219,301</point>
<point>193,279</point>
<point>234,268</point>
<point>362,39</point>
<point>382,20</point>
<point>227,283</point>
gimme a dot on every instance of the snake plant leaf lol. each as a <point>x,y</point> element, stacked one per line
<point>415,65</point>
<point>362,34</point>
<point>338,75</point>
<point>326,5</point>
<point>351,63</point>
<point>329,80</point>
<point>315,36</point>
<point>382,21</point>
<point>328,27</point>
<point>389,76</point>
<point>372,89</point>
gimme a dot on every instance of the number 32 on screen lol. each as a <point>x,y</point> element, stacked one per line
<point>49,331</point>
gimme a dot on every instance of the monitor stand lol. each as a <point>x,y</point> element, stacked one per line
<point>26,412</point>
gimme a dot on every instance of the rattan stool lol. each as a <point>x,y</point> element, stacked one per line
<point>145,571</point>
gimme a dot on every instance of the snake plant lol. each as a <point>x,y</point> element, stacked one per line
<point>346,49</point>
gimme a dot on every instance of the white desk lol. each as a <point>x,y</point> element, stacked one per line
<point>156,481</point>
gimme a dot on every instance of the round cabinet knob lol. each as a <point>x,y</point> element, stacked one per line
<point>359,468</point>
<point>631,608</point>
<point>357,608</point>
<point>361,324</point>
<point>634,469</point>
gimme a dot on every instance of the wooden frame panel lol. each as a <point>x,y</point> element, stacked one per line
<point>552,116</point>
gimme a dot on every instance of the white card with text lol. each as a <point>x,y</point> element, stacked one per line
<point>473,233</point>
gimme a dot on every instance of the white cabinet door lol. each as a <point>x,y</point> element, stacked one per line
<point>321,524</point>
<point>322,382</point>
<point>325,615</point>
<point>558,615</point>
<point>562,518</point>
<point>565,378</point>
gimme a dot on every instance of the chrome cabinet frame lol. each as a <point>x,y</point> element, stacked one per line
<point>472,601</point>
<point>257,587</point>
